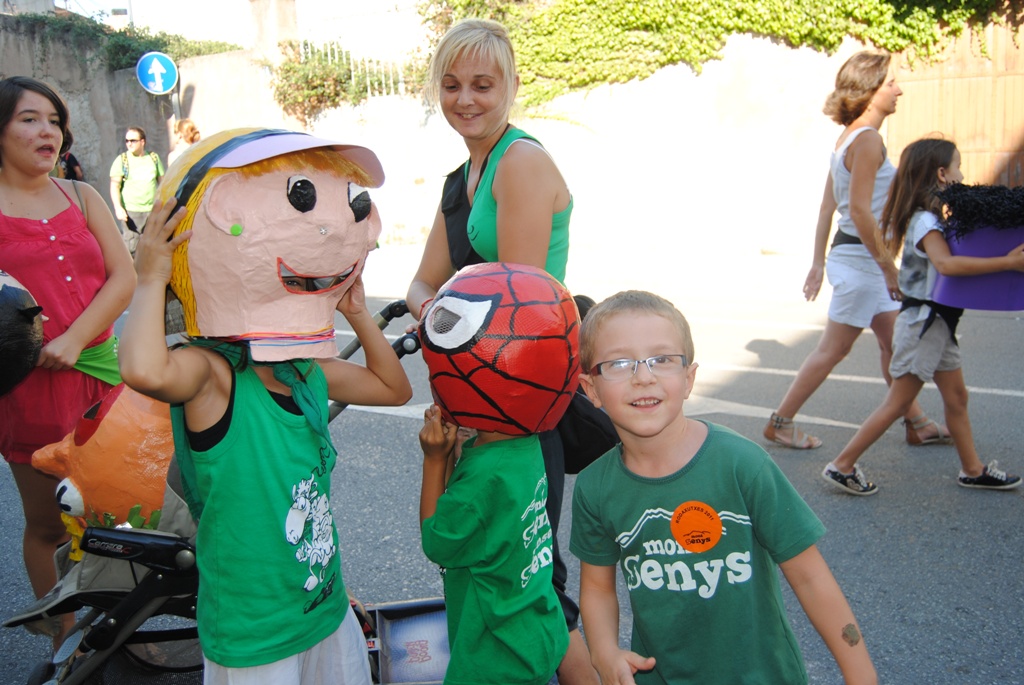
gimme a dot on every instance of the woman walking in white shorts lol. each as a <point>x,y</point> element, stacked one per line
<point>864,279</point>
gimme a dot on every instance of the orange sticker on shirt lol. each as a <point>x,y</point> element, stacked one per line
<point>696,526</point>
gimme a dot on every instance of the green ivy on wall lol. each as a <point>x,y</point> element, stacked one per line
<point>119,49</point>
<point>124,48</point>
<point>565,45</point>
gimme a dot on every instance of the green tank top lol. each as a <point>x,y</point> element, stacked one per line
<point>267,548</point>
<point>483,217</point>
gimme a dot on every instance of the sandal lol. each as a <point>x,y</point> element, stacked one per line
<point>914,427</point>
<point>798,440</point>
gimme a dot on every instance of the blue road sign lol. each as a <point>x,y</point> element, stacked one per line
<point>157,73</point>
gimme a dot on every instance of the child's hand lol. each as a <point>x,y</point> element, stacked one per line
<point>353,302</point>
<point>153,254</point>
<point>437,437</point>
<point>1016,256</point>
<point>619,668</point>
<point>59,354</point>
<point>461,436</point>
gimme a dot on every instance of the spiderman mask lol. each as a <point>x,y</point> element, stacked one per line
<point>501,342</point>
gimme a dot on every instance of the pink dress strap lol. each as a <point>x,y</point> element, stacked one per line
<point>73,203</point>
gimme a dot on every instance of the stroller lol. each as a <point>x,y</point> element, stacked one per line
<point>129,577</point>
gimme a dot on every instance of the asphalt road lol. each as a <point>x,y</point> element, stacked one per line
<point>932,571</point>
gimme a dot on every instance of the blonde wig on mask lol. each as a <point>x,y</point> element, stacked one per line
<point>321,158</point>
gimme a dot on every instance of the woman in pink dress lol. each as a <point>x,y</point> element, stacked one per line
<point>58,239</point>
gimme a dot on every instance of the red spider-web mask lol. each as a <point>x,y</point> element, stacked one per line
<point>501,342</point>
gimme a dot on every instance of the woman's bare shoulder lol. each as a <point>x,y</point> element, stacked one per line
<point>868,147</point>
<point>868,136</point>
<point>527,161</point>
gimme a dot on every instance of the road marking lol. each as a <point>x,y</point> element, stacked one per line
<point>698,405</point>
<point>873,380</point>
<point>695,406</point>
<point>349,334</point>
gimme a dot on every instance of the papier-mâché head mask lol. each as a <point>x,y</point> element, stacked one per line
<point>281,227</point>
<point>501,342</point>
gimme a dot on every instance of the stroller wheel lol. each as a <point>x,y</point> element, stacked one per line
<point>43,672</point>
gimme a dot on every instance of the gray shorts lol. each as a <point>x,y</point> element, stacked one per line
<point>922,355</point>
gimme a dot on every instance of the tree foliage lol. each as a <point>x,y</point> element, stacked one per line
<point>311,79</point>
<point>565,45</point>
<point>307,87</point>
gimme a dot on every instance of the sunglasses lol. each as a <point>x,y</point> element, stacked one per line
<point>132,140</point>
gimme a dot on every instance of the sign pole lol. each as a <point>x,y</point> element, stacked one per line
<point>176,103</point>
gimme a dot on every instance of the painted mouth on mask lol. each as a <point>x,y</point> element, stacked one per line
<point>299,283</point>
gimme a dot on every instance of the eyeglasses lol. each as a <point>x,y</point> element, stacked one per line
<point>132,140</point>
<point>660,365</point>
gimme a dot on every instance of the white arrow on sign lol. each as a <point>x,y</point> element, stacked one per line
<point>157,71</point>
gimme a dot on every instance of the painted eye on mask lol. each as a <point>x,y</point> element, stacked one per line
<point>455,323</point>
<point>359,201</point>
<point>301,193</point>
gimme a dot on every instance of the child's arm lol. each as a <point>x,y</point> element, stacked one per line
<point>437,439</point>
<point>599,607</point>
<point>146,364</point>
<point>382,382</point>
<point>947,264</point>
<point>829,612</point>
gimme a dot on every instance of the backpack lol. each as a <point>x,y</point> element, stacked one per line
<point>65,166</point>
<point>124,165</point>
<point>585,431</point>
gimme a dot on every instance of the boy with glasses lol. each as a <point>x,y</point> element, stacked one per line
<point>698,517</point>
<point>134,176</point>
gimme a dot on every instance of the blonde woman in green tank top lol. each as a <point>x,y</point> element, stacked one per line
<point>518,211</point>
<point>474,81</point>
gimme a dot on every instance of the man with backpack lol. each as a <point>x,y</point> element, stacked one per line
<point>134,176</point>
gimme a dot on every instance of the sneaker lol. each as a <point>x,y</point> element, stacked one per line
<point>852,484</point>
<point>990,479</point>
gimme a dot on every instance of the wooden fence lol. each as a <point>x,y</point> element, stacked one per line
<point>973,95</point>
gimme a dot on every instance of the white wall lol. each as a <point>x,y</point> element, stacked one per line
<point>675,167</point>
<point>668,172</point>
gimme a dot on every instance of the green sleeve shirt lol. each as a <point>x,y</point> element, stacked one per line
<point>709,610</point>
<point>491,534</point>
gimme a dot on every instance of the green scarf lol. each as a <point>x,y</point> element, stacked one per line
<point>286,372</point>
<point>100,361</point>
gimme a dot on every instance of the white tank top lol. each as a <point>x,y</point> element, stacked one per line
<point>841,184</point>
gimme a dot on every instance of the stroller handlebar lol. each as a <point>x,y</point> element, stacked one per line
<point>405,345</point>
<point>157,550</point>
